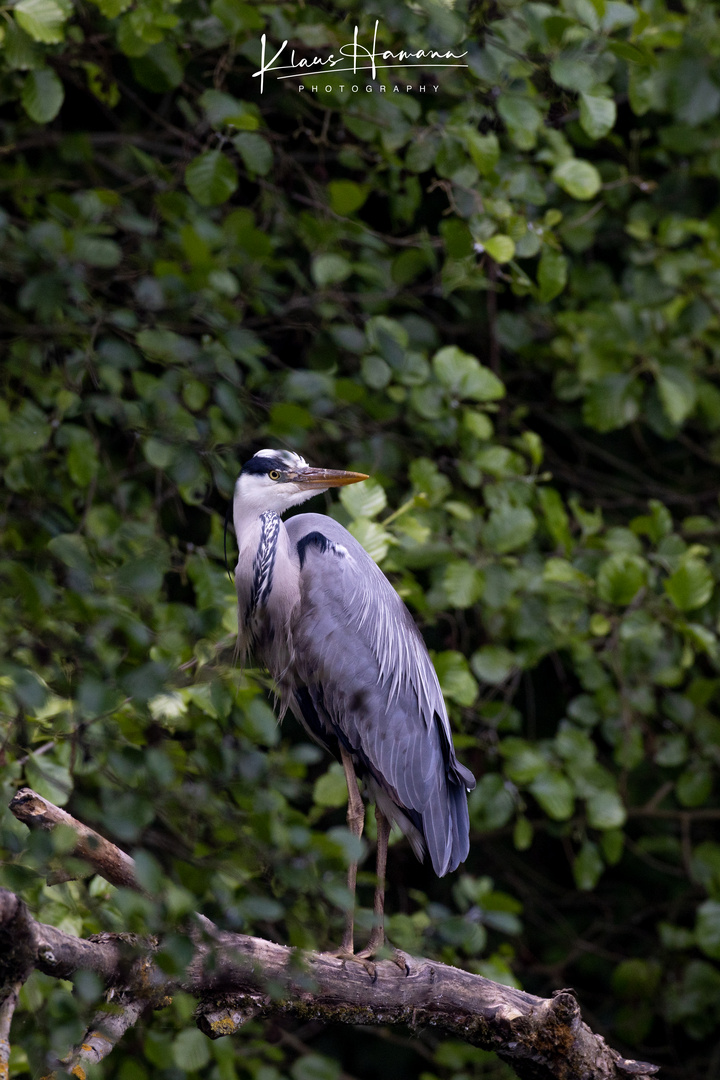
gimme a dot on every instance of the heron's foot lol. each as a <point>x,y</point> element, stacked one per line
<point>362,958</point>
<point>373,948</point>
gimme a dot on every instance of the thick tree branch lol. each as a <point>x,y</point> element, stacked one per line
<point>236,977</point>
<point>18,945</point>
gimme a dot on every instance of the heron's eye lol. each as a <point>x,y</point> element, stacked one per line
<point>274,474</point>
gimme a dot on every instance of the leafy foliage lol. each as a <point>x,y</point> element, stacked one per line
<point>498,295</point>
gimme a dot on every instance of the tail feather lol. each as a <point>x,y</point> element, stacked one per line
<point>446,827</point>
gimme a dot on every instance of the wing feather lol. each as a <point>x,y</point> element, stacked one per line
<point>372,683</point>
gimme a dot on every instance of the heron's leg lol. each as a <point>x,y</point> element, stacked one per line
<point>377,937</point>
<point>355,820</point>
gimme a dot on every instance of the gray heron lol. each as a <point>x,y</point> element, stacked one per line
<point>349,662</point>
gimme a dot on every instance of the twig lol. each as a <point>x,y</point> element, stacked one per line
<point>107,1028</point>
<point>6,1014</point>
<point>106,859</point>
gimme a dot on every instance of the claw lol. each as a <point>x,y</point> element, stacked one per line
<point>397,957</point>
<point>362,958</point>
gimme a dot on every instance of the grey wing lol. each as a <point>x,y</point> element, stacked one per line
<point>370,679</point>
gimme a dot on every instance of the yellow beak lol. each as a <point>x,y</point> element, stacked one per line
<point>324,478</point>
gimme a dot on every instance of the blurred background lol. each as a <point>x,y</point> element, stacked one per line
<point>500,296</point>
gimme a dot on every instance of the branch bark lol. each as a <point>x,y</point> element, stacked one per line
<point>17,959</point>
<point>106,859</point>
<point>236,977</point>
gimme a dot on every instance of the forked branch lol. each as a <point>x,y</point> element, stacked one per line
<point>236,977</point>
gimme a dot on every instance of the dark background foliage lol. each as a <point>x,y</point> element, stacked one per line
<point>500,296</point>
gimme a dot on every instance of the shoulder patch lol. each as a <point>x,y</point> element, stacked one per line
<point>322,543</point>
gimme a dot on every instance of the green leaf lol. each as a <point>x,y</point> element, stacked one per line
<point>612,402</point>
<point>331,788</point>
<point>573,73</point>
<point>43,20</point>
<point>112,8</point>
<point>96,250</point>
<point>491,804</point>
<point>588,866</point>
<point>456,682</point>
<point>463,583</point>
<point>159,68</point>
<point>524,762</point>
<point>597,115</point>
<point>493,663</point>
<point>372,536</point>
<point>50,779</point>
<point>554,793</point>
<point>707,928</point>
<point>408,265</point>
<point>617,14</point>
<point>465,376</point>
<point>211,179</point>
<point>71,549</point>
<point>376,372</point>
<point>523,119</point>
<point>315,1067</point>
<point>166,346</point>
<point>612,843</point>
<point>223,109</point>
<point>552,274</point>
<point>500,248</point>
<point>330,269</point>
<point>255,151</point>
<point>42,95</point>
<point>509,528</point>
<point>19,51</point>
<point>694,785</point>
<point>556,517</point>
<point>484,150</point>
<point>82,462</point>
<point>104,88</point>
<point>191,1050</point>
<point>578,178</point>
<point>671,750</point>
<point>346,196</point>
<point>421,153</point>
<point>677,392</point>
<point>142,576</point>
<point>237,16</point>
<point>620,578</point>
<point>705,866</point>
<point>522,834</point>
<point>364,500</point>
<point>605,810</point>
<point>634,54</point>
<point>691,585</point>
<point>635,978</point>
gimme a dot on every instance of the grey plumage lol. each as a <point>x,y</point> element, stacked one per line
<point>372,686</point>
<point>345,654</point>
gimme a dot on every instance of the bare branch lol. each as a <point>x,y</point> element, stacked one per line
<point>6,1014</point>
<point>107,1028</point>
<point>17,959</point>
<point>236,977</point>
<point>106,859</point>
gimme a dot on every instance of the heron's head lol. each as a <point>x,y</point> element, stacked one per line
<point>278,479</point>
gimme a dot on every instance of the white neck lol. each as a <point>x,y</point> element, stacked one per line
<point>254,496</point>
